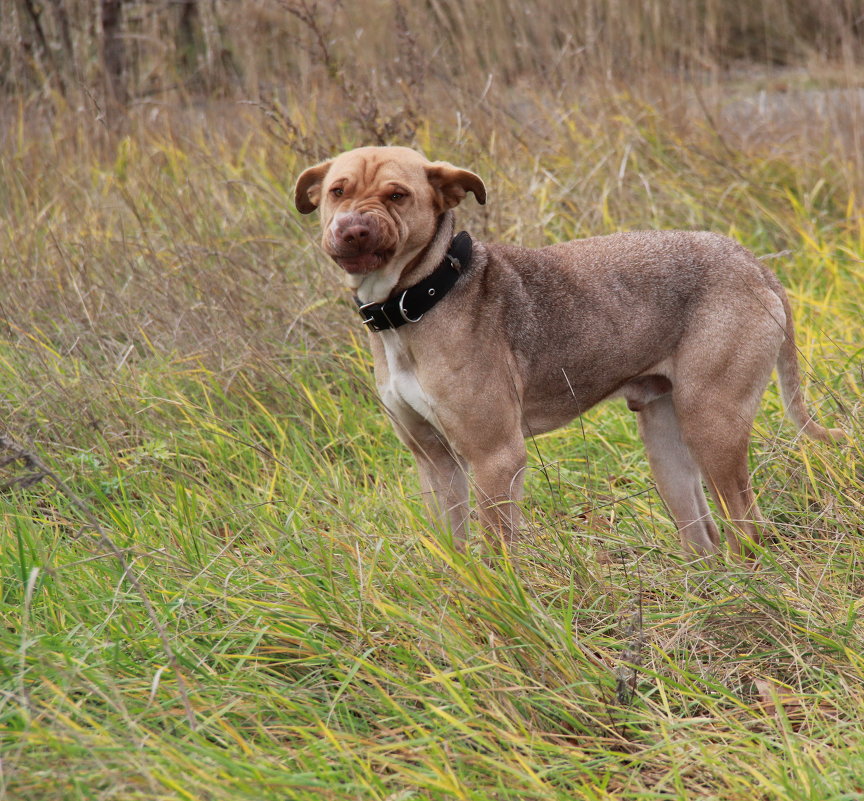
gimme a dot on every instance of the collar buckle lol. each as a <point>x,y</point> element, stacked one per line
<point>372,314</point>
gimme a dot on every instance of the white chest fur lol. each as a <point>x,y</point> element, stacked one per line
<point>403,389</point>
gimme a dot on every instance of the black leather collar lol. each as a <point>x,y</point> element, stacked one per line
<point>409,306</point>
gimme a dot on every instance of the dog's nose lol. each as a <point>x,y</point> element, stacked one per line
<point>354,235</point>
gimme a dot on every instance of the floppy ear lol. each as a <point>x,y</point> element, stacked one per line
<point>452,184</point>
<point>307,191</point>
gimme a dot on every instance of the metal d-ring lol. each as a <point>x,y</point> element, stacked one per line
<point>405,317</point>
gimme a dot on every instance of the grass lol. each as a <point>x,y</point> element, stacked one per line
<point>176,349</point>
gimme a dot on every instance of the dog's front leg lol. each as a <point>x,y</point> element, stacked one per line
<point>445,489</point>
<point>443,478</point>
<point>499,474</point>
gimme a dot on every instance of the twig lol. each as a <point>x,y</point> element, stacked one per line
<point>32,461</point>
<point>631,656</point>
<point>22,481</point>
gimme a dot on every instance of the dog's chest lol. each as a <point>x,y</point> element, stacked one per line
<point>403,388</point>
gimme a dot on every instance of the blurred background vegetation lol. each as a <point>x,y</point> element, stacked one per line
<point>385,63</point>
<point>149,150</point>
<point>153,49</point>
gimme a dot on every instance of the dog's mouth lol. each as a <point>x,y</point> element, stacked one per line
<point>360,243</point>
<point>362,263</point>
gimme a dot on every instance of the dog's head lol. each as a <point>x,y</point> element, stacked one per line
<point>380,206</point>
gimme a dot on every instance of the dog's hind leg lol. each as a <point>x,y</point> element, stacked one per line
<point>678,478</point>
<point>721,379</point>
<point>719,444</point>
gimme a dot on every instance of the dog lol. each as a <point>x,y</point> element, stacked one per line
<point>477,346</point>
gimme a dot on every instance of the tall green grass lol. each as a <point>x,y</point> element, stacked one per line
<point>175,347</point>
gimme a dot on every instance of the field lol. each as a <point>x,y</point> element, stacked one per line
<point>218,580</point>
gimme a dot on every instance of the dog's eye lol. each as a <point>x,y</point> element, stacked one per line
<point>397,196</point>
<point>337,191</point>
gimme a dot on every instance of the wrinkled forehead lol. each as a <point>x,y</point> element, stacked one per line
<point>375,166</point>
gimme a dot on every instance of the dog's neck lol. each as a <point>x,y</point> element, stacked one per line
<point>411,268</point>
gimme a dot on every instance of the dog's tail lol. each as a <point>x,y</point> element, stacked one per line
<point>789,373</point>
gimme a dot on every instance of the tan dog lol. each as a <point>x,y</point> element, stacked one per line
<point>687,326</point>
